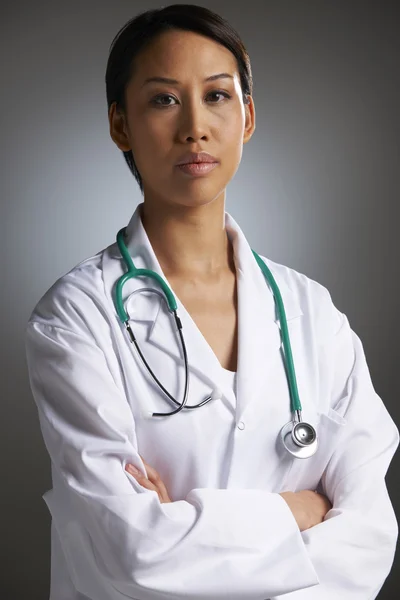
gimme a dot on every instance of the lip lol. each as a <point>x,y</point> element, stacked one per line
<point>197,169</point>
<point>196,158</point>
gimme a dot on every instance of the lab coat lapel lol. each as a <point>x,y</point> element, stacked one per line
<point>259,337</point>
<point>149,307</point>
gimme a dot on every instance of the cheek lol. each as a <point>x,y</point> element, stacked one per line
<point>233,145</point>
<point>145,134</point>
<point>148,141</point>
<point>232,134</point>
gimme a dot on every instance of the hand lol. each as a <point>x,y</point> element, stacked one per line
<point>154,481</point>
<point>309,508</point>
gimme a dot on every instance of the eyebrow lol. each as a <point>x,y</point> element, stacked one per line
<point>176,82</point>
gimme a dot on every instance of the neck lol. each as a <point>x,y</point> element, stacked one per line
<point>189,241</point>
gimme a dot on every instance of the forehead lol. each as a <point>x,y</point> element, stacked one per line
<point>178,53</point>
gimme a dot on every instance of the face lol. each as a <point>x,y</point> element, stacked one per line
<point>164,120</point>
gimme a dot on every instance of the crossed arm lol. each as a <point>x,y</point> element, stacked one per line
<point>308,507</point>
<point>122,542</point>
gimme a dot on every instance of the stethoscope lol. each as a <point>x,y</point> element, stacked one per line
<point>298,437</point>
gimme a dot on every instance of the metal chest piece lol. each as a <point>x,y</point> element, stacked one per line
<point>299,439</point>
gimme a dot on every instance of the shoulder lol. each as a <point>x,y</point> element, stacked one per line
<point>313,299</point>
<point>75,299</point>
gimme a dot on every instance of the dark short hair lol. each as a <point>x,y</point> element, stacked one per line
<point>142,29</point>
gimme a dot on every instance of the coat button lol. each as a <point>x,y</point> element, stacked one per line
<point>241,425</point>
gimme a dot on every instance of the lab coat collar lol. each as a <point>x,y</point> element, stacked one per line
<point>259,338</point>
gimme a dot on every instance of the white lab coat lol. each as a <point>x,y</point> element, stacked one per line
<point>227,532</point>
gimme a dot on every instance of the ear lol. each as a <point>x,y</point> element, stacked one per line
<point>250,122</point>
<point>118,128</point>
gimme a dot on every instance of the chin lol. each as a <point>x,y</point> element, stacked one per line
<point>192,200</point>
<point>189,192</point>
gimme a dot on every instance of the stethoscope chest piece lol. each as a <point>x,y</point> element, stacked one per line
<point>299,439</point>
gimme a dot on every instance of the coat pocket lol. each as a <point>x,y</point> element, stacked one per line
<point>306,473</point>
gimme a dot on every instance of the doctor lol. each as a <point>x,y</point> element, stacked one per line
<point>218,507</point>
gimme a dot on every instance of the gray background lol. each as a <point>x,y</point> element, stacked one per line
<point>317,190</point>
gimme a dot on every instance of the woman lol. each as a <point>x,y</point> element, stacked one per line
<point>205,502</point>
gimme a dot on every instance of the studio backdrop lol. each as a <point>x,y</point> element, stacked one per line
<point>317,190</point>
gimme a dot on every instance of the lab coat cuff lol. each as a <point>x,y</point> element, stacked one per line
<point>259,524</point>
<point>306,574</point>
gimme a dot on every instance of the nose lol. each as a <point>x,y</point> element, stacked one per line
<point>193,122</point>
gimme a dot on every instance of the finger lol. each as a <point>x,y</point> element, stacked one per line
<point>135,471</point>
<point>155,478</point>
<point>164,494</point>
<point>144,482</point>
<point>149,486</point>
<point>152,474</point>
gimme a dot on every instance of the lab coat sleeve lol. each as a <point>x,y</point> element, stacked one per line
<point>352,550</point>
<point>119,541</point>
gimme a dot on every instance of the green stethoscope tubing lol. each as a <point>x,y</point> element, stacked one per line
<point>299,438</point>
<point>289,364</point>
<point>134,272</point>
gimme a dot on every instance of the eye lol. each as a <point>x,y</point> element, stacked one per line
<point>158,99</point>
<point>161,97</point>
<point>220,93</point>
